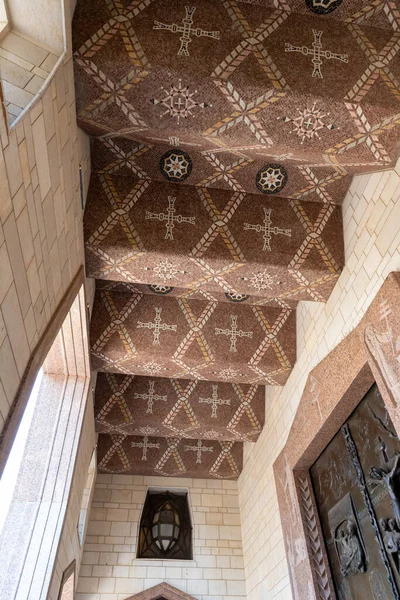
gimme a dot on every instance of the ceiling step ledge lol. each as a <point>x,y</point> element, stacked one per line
<point>160,407</point>
<point>137,334</point>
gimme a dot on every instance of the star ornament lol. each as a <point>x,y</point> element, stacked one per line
<point>308,123</point>
<point>176,165</point>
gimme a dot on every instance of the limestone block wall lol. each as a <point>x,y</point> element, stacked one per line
<point>371,214</point>
<point>110,569</point>
<point>40,222</point>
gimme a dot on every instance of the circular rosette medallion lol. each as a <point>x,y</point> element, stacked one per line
<point>322,7</point>
<point>161,290</point>
<point>176,165</point>
<point>271,179</point>
<point>233,297</point>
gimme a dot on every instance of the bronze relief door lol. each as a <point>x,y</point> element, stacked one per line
<point>357,489</point>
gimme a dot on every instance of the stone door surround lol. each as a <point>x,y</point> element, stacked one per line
<point>163,591</point>
<point>370,353</point>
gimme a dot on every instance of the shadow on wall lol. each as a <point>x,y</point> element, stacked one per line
<point>32,40</point>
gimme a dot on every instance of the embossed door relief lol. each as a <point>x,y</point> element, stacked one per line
<point>356,483</point>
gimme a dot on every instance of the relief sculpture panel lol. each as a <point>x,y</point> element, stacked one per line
<point>357,489</point>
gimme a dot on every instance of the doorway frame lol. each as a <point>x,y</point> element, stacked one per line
<point>333,390</point>
<point>162,590</point>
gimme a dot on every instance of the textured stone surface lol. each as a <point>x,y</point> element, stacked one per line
<point>128,404</point>
<point>171,457</point>
<point>229,75</point>
<point>334,388</point>
<point>211,240</point>
<point>191,339</point>
<point>110,569</point>
<point>372,241</point>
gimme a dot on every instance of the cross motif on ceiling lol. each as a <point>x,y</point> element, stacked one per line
<point>151,397</point>
<point>186,30</point>
<point>317,53</point>
<point>170,218</point>
<point>234,333</point>
<point>214,401</point>
<point>145,445</point>
<point>267,229</point>
<point>156,326</point>
<point>199,449</point>
<point>179,102</point>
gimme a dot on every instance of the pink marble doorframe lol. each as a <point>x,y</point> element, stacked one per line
<point>370,353</point>
<point>163,591</point>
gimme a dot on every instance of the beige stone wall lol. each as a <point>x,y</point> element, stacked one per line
<point>110,569</point>
<point>371,214</point>
<point>41,249</point>
<point>41,244</point>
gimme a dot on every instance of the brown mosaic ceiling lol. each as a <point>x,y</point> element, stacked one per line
<point>192,339</point>
<point>156,406</point>
<point>242,76</point>
<point>211,239</point>
<point>172,456</point>
<point>225,136</point>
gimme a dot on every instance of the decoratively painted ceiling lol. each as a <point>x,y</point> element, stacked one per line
<point>225,136</point>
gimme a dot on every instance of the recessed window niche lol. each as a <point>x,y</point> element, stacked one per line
<point>165,527</point>
<point>38,451</point>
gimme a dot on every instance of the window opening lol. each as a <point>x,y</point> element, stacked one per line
<point>37,476</point>
<point>165,527</point>
<point>9,476</point>
<point>87,493</point>
<point>68,583</point>
<point>3,19</point>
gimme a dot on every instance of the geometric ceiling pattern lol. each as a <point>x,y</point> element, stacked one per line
<point>168,234</point>
<point>134,405</point>
<point>193,339</point>
<point>225,134</point>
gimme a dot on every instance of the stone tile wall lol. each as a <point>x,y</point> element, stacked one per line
<point>24,67</point>
<point>40,222</point>
<point>41,249</point>
<point>110,569</point>
<point>371,214</point>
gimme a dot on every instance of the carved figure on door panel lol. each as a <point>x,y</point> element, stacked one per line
<point>391,480</point>
<point>391,539</point>
<point>384,349</point>
<point>349,549</point>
